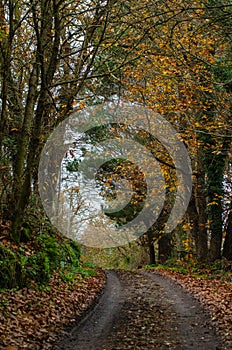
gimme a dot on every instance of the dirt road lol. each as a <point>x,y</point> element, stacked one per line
<point>144,311</point>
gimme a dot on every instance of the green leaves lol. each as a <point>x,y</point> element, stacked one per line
<point>73,165</point>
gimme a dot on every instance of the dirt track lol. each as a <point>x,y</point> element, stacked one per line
<point>142,311</point>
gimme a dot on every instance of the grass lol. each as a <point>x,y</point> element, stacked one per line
<point>220,269</point>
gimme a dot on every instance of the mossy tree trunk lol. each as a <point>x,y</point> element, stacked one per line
<point>32,93</point>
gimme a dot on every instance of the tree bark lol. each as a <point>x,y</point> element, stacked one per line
<point>152,253</point>
<point>215,176</point>
<point>165,248</point>
<point>227,248</point>
<point>198,218</point>
<point>21,188</point>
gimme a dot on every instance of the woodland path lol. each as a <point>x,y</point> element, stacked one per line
<point>142,310</point>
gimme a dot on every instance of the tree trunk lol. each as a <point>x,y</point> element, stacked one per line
<point>215,175</point>
<point>198,217</point>
<point>165,248</point>
<point>216,233</point>
<point>227,248</point>
<point>150,244</point>
<point>21,185</point>
<point>5,72</point>
<point>152,253</point>
<point>26,162</point>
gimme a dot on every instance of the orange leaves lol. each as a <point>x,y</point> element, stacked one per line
<point>32,318</point>
<point>175,75</point>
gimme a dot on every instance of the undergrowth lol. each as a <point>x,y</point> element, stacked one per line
<point>220,269</point>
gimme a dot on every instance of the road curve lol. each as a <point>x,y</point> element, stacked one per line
<point>143,310</point>
<point>97,323</point>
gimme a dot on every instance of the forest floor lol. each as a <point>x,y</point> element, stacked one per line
<point>33,318</point>
<point>155,309</point>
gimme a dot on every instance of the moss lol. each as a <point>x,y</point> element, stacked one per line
<point>36,261</point>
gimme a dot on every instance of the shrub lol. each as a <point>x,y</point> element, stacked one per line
<point>20,265</point>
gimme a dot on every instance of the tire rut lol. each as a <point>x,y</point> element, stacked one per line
<point>193,323</point>
<point>98,321</point>
<point>143,310</point>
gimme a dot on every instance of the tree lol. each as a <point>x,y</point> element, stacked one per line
<point>227,248</point>
<point>179,77</point>
<point>173,57</point>
<point>43,78</point>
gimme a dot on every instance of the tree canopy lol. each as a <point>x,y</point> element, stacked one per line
<point>174,57</point>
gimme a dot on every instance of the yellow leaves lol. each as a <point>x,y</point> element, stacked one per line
<point>82,105</point>
<point>187,226</point>
<point>217,152</point>
<point>212,203</point>
<point>74,104</point>
<point>188,244</point>
<point>216,200</point>
<point>72,189</point>
<point>172,188</point>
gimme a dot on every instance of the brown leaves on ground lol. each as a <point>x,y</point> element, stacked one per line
<point>32,318</point>
<point>215,296</point>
